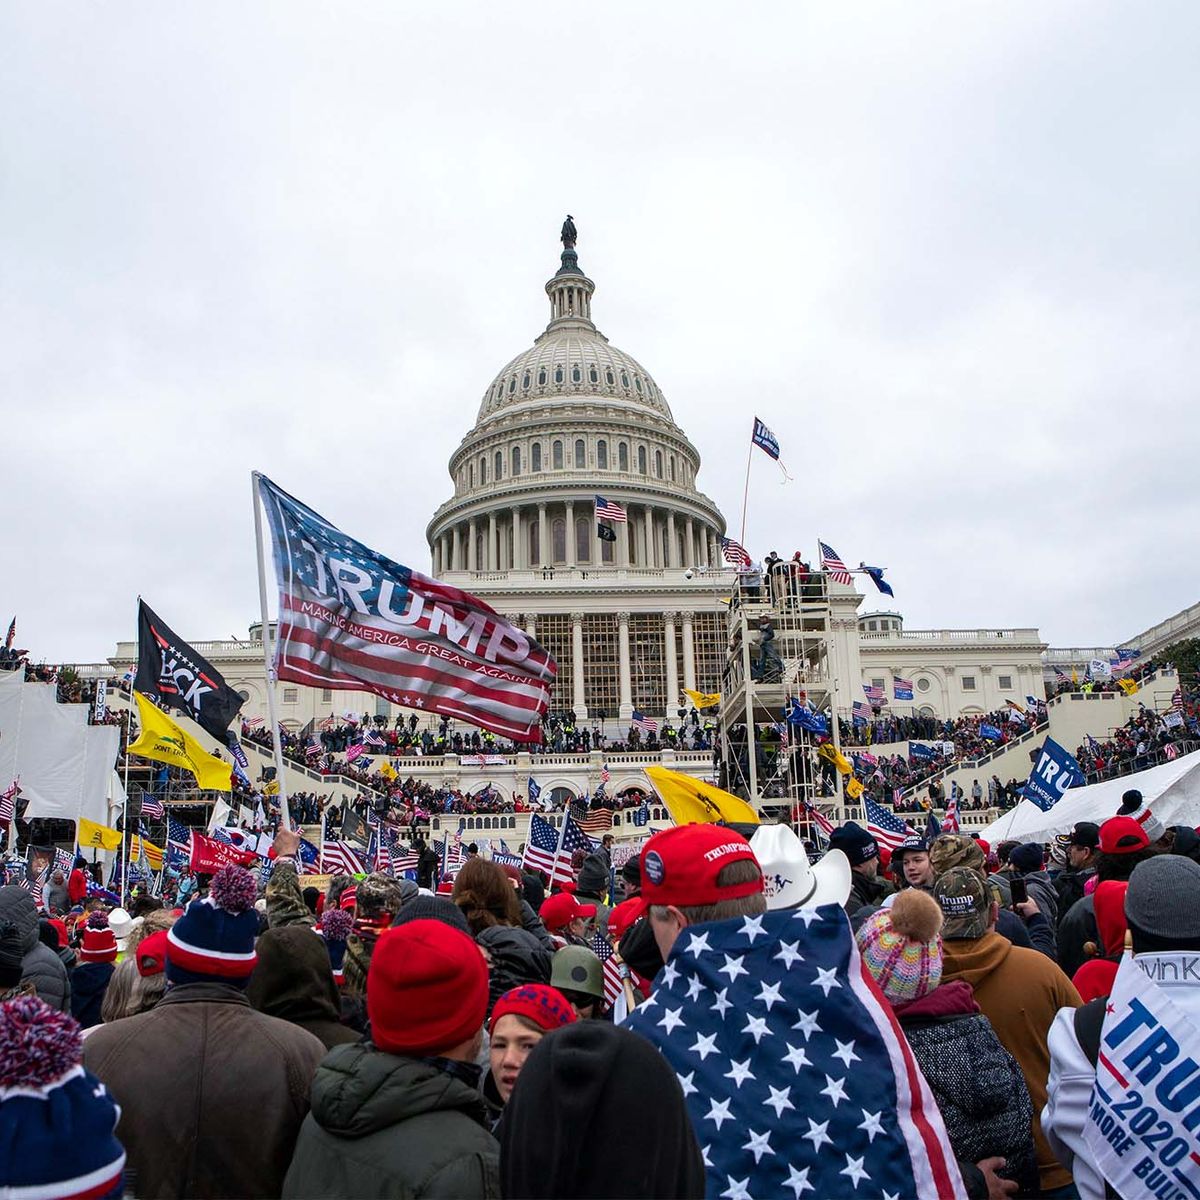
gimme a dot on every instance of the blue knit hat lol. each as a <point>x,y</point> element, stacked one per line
<point>56,1119</point>
<point>214,939</point>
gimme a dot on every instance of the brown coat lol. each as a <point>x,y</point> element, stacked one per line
<point>1020,992</point>
<point>212,1093</point>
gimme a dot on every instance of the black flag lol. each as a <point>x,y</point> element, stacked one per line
<point>171,672</point>
<point>606,533</point>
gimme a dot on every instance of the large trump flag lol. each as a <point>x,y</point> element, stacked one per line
<point>351,618</point>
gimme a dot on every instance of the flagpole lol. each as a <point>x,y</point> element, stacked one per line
<point>746,492</point>
<point>284,822</point>
<point>562,833</point>
<point>124,800</point>
<point>321,850</point>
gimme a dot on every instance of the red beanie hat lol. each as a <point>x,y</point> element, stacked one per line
<point>427,988</point>
<point>99,945</point>
<point>544,1006</point>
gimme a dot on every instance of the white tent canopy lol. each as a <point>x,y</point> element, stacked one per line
<point>1172,790</point>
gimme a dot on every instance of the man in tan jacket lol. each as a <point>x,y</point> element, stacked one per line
<point>1019,991</point>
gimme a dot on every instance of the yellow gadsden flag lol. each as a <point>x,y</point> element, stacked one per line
<point>163,741</point>
<point>688,800</point>
<point>702,699</point>
<point>388,771</point>
<point>1128,686</point>
<point>830,753</point>
<point>99,836</point>
<point>854,789</point>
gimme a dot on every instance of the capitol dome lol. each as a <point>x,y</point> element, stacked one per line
<point>568,419</point>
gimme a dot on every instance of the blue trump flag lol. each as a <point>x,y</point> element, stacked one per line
<point>764,439</point>
<point>991,733</point>
<point>917,750</point>
<point>876,574</point>
<point>1055,773</point>
<point>803,716</point>
<point>794,1071</point>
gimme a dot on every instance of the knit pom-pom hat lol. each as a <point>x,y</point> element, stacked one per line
<point>56,1119</point>
<point>214,939</point>
<point>335,929</point>
<point>99,945</point>
<point>901,946</point>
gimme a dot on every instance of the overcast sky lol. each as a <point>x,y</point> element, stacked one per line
<point>947,252</point>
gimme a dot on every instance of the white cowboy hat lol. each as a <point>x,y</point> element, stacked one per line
<point>790,881</point>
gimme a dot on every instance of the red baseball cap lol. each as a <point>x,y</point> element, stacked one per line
<point>559,910</point>
<point>680,866</point>
<point>621,917</point>
<point>1122,835</point>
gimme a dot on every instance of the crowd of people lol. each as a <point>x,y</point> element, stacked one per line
<point>1146,738</point>
<point>456,1035</point>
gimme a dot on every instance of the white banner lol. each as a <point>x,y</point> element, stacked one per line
<point>101,700</point>
<point>483,760</point>
<point>1100,668</point>
<point>1172,720</point>
<point>1142,1117</point>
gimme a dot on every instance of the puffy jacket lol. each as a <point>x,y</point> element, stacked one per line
<point>517,957</point>
<point>533,923</point>
<point>977,1084</point>
<point>1075,930</point>
<point>89,982</point>
<point>386,1126</point>
<point>40,965</point>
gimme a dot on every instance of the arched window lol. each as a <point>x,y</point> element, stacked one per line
<point>606,552</point>
<point>641,460</point>
<point>602,455</point>
<point>672,468</point>
<point>470,475</point>
<point>580,453</point>
<point>594,375</point>
<point>542,377</point>
<point>512,385</point>
<point>558,374</point>
<point>583,540</point>
<point>480,550</point>
<point>525,382</point>
<point>499,463</point>
<point>482,470</point>
<point>637,382</point>
<point>557,456</point>
<point>623,456</point>
<point>558,539</point>
<point>535,550</point>
<point>608,376</point>
<point>516,460</point>
<point>624,380</point>
<point>535,456</point>
<point>658,463</point>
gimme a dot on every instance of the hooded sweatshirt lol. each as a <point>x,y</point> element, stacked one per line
<point>293,981</point>
<point>1020,992</point>
<point>383,1126</point>
<point>89,982</point>
<point>40,965</point>
<point>596,1077</point>
<point>1095,977</point>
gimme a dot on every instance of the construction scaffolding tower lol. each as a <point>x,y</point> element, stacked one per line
<point>779,650</point>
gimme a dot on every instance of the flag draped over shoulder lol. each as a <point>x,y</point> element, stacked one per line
<point>691,800</point>
<point>351,618</point>
<point>830,1104</point>
<point>163,741</point>
<point>174,674</point>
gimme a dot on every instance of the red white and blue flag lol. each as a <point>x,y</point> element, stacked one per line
<point>543,853</point>
<point>8,802</point>
<point>902,689</point>
<point>950,824</point>
<point>152,806</point>
<point>885,827</point>
<point>773,1028</point>
<point>735,554</point>
<point>340,858</point>
<point>609,510</point>
<point>833,565</point>
<point>349,617</point>
<point>603,950</point>
<point>644,723</point>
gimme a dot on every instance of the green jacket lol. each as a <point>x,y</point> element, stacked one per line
<point>385,1126</point>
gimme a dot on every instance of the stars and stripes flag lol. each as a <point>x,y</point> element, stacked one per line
<point>404,858</point>
<point>253,722</point>
<point>833,565</point>
<point>605,774</point>
<point>380,854</point>
<point>328,723</point>
<point>8,803</point>
<point>611,968</point>
<point>609,510</point>
<point>885,827</point>
<point>543,853</point>
<point>897,795</point>
<point>772,1029</point>
<point>152,806</point>
<point>179,843</point>
<point>314,749</point>
<point>1177,700</point>
<point>644,723</point>
<point>817,817</point>
<point>340,858</point>
<point>735,554</point>
<point>376,740</point>
<point>873,692</point>
<point>950,824</point>
<point>860,711</point>
<point>1060,676</point>
<point>902,689</point>
<point>351,618</point>
<point>596,820</point>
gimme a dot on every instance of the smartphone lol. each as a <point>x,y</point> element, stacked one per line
<point>1020,893</point>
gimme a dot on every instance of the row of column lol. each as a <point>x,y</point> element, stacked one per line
<point>672,622</point>
<point>506,541</point>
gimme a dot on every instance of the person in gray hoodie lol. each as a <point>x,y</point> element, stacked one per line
<point>39,964</point>
<point>593,887</point>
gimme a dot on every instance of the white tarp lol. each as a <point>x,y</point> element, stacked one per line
<point>63,764</point>
<point>1172,790</point>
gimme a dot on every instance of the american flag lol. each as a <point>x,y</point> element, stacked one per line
<point>950,824</point>
<point>340,858</point>
<point>860,711</point>
<point>609,510</point>
<point>8,802</point>
<point>605,774</point>
<point>380,853</point>
<point>897,795</point>
<point>314,748</point>
<point>374,739</point>
<point>1121,664</point>
<point>462,660</point>
<point>902,689</point>
<point>451,854</point>
<point>735,553</point>
<point>771,1028</point>
<point>540,849</point>
<point>596,820</point>
<point>818,818</point>
<point>254,722</point>
<point>885,827</point>
<point>179,843</point>
<point>328,723</point>
<point>612,969</point>
<point>834,565</point>
<point>873,692</point>
<point>34,887</point>
<point>1177,700</point>
<point>1061,676</point>
<point>152,806</point>
<point>644,723</point>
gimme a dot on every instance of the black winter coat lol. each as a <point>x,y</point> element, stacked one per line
<point>979,1088</point>
<point>517,957</point>
<point>89,982</point>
